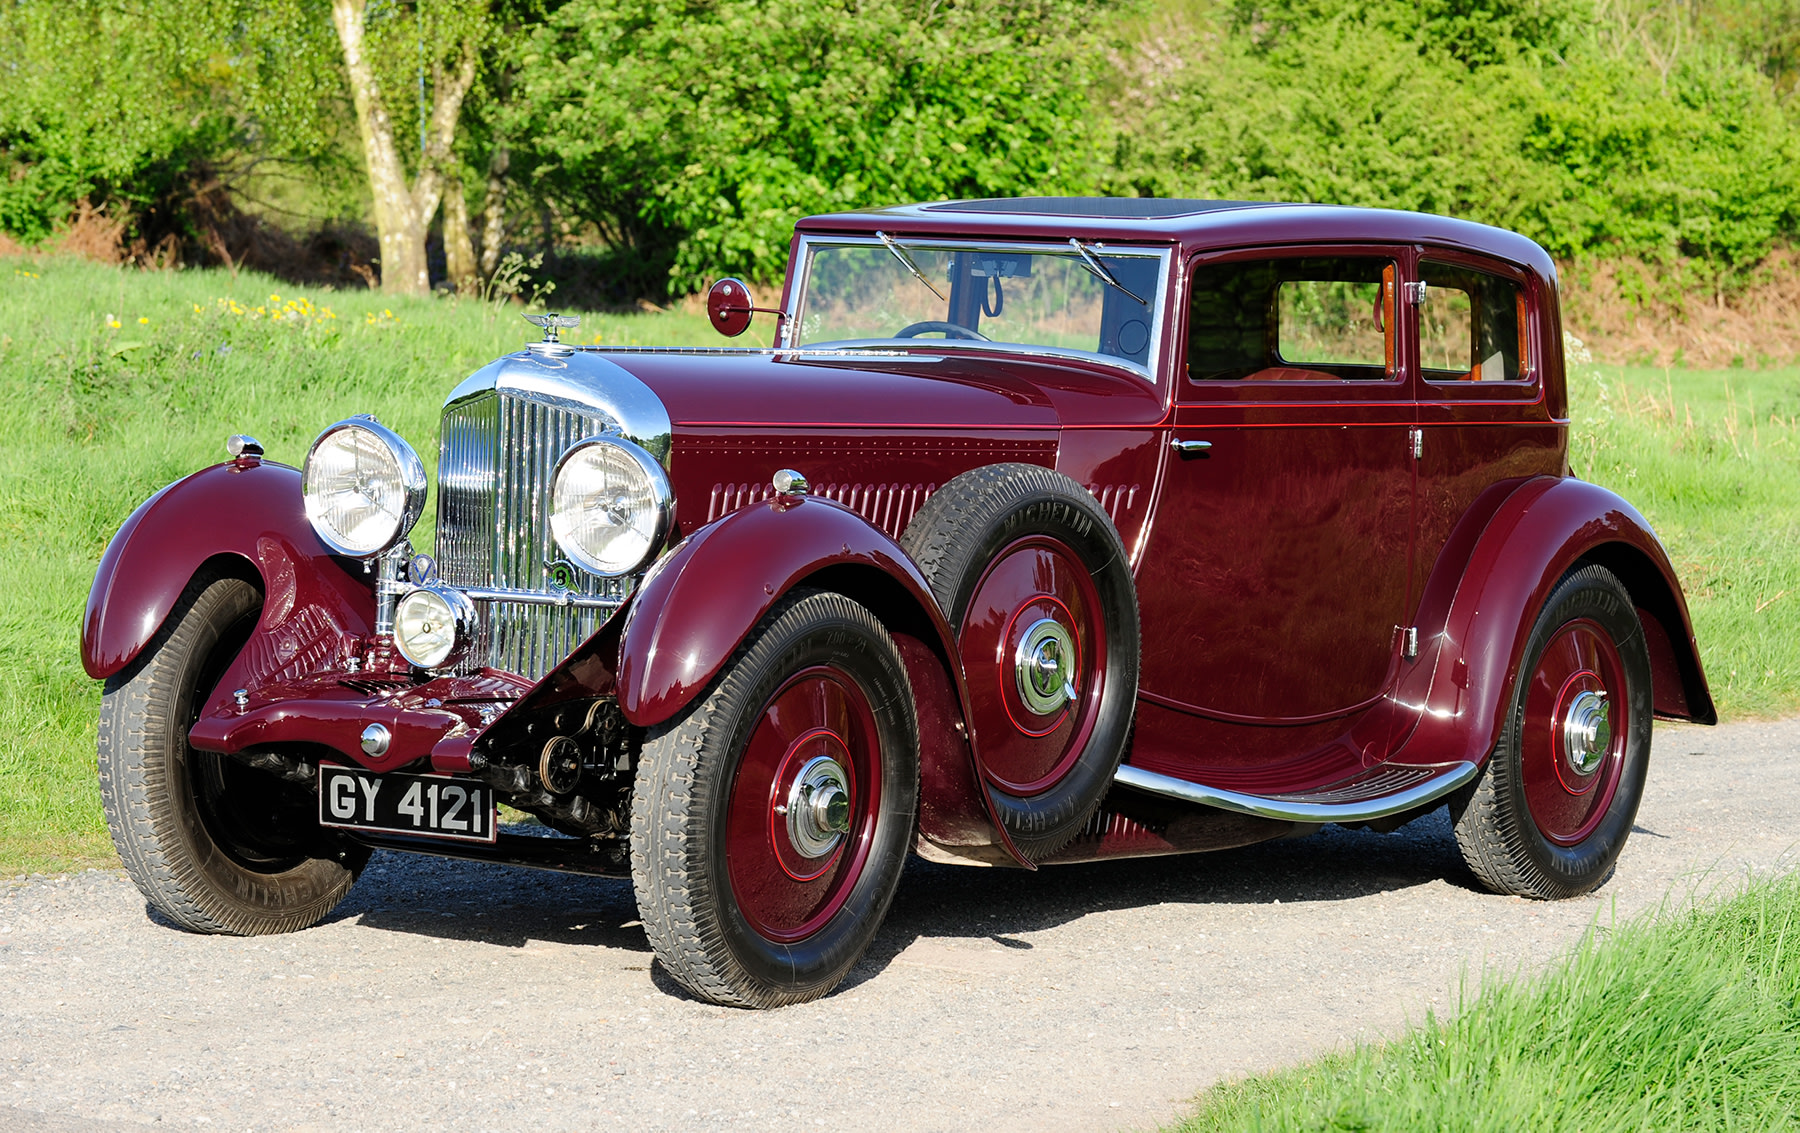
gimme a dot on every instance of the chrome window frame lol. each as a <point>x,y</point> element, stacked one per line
<point>1158,305</point>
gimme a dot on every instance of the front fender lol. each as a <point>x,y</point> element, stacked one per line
<point>700,604</point>
<point>245,510</point>
<point>695,610</point>
<point>1485,593</point>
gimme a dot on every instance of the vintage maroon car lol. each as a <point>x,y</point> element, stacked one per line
<point>1049,530</point>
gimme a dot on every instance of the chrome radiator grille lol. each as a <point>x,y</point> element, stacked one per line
<point>495,456</point>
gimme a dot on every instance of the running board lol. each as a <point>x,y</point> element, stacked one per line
<point>1297,808</point>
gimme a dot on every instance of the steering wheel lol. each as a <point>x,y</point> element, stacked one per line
<point>948,330</point>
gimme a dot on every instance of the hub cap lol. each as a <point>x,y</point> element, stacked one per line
<point>818,807</point>
<point>1045,665</point>
<point>1572,742</point>
<point>1587,731</point>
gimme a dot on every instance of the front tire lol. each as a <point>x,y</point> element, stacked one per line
<point>771,819</point>
<point>214,846</point>
<point>1550,813</point>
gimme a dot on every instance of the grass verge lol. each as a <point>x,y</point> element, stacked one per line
<point>1685,1020</point>
<point>115,382</point>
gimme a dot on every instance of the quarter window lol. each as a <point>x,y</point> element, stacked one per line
<point>1471,326</point>
<point>1309,318</point>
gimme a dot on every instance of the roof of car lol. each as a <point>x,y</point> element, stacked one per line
<point>1194,224</point>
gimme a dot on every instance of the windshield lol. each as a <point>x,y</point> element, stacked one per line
<point>1088,300</point>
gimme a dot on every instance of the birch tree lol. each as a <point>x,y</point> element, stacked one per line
<point>449,37</point>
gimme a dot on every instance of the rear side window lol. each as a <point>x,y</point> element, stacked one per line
<point>1311,318</point>
<point>1471,326</point>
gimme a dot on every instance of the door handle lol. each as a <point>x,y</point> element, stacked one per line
<point>1191,449</point>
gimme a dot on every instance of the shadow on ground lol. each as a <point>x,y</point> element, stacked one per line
<point>511,907</point>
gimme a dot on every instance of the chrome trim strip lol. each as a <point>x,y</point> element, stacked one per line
<point>1265,807</point>
<point>564,598</point>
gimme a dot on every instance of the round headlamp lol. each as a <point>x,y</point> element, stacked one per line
<point>364,487</point>
<point>434,626</point>
<point>609,505</point>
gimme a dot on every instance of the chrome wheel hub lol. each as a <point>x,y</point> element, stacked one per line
<point>1044,664</point>
<point>818,807</point>
<point>1587,731</point>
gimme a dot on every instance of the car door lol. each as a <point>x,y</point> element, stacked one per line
<point>1275,577</point>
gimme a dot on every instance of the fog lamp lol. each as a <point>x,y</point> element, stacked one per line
<point>434,626</point>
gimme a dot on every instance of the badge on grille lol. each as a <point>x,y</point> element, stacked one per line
<point>562,574</point>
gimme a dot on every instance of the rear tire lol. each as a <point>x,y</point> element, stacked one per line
<point>1551,811</point>
<point>214,845</point>
<point>1024,561</point>
<point>748,895</point>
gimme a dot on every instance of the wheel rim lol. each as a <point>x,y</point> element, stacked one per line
<point>803,805</point>
<point>1033,635</point>
<point>1572,743</point>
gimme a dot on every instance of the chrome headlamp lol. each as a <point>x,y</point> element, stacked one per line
<point>610,505</point>
<point>434,626</point>
<point>364,487</point>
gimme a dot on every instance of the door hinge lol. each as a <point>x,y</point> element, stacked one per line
<point>1415,293</point>
<point>1415,439</point>
<point>1409,642</point>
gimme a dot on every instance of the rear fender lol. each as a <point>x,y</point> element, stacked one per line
<point>1484,594</point>
<point>244,517</point>
<point>701,603</point>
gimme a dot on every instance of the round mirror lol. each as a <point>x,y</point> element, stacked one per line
<point>729,307</point>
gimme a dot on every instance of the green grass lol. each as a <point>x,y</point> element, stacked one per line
<point>97,417</point>
<point>1686,1020</point>
<point>1712,459</point>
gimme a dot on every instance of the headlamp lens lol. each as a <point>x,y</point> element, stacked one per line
<point>364,488</point>
<point>609,505</point>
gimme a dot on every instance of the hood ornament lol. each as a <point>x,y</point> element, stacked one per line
<point>552,323</point>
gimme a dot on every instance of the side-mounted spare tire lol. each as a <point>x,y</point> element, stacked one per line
<point>1035,581</point>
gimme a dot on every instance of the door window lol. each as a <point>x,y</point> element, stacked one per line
<point>1471,326</point>
<point>1311,318</point>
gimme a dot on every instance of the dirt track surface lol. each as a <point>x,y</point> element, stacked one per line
<point>452,995</point>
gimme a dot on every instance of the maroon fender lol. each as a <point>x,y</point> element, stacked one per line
<point>244,510</point>
<point>696,608</point>
<point>1488,586</point>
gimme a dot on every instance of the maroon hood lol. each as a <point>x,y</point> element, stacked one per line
<point>933,391</point>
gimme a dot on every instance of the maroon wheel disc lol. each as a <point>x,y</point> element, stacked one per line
<point>803,804</point>
<point>1034,648</point>
<point>1572,741</point>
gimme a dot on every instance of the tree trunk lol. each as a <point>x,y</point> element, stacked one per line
<point>493,212</point>
<point>402,216</point>
<point>459,247</point>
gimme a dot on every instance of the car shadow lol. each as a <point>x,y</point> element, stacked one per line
<point>512,907</point>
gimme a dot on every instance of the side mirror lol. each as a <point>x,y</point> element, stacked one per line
<point>729,306</point>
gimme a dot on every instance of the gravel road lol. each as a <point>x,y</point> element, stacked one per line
<point>455,995</point>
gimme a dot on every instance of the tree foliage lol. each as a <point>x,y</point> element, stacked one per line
<point>1593,128</point>
<point>700,131</point>
<point>121,104</point>
<point>686,136</point>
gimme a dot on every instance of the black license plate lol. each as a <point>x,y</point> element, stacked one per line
<point>423,806</point>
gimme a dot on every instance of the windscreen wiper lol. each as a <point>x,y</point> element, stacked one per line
<point>1101,271</point>
<point>893,246</point>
